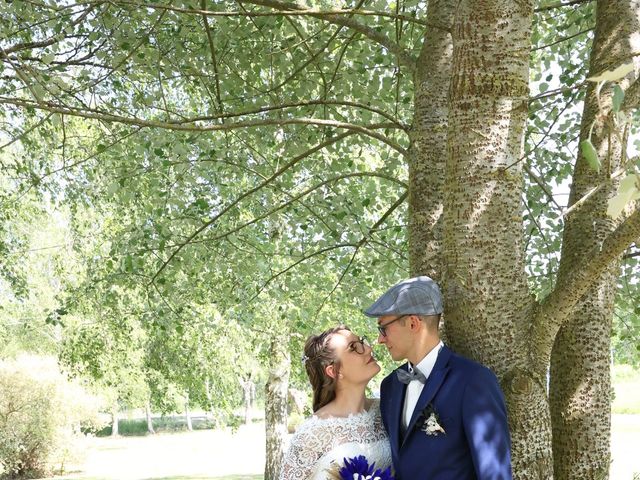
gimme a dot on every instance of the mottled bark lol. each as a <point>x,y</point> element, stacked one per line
<point>488,305</point>
<point>276,407</point>
<point>581,402</point>
<point>428,134</point>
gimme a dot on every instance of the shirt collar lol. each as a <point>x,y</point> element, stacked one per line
<point>427,363</point>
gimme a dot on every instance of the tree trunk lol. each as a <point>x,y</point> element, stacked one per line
<point>147,411</point>
<point>248,392</point>
<point>114,420</point>
<point>581,402</point>
<point>276,407</point>
<point>487,302</point>
<point>187,413</point>
<point>428,150</point>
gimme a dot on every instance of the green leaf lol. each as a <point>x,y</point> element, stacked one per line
<point>590,154</point>
<point>613,75</point>
<point>618,97</point>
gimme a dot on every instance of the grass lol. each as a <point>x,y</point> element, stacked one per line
<point>626,385</point>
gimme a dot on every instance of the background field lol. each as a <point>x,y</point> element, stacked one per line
<point>223,455</point>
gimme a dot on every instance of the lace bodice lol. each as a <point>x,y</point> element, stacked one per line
<point>319,442</point>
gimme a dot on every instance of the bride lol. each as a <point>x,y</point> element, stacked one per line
<point>345,423</point>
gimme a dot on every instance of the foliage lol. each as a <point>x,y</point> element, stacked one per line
<point>41,414</point>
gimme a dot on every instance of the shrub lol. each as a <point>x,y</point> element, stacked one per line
<point>41,414</point>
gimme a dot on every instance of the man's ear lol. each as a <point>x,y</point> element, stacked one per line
<point>330,371</point>
<point>414,322</point>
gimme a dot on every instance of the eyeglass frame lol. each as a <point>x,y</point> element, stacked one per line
<point>383,328</point>
<point>362,341</point>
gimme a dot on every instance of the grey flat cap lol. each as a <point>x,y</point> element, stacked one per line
<point>417,296</point>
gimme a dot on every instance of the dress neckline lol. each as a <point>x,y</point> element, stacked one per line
<point>371,410</point>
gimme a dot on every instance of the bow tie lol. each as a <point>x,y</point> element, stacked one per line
<point>407,377</point>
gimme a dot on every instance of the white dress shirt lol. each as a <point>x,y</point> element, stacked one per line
<point>414,388</point>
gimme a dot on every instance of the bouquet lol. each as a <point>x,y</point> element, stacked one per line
<point>358,468</point>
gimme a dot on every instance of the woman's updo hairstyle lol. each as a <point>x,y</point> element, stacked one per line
<point>317,355</point>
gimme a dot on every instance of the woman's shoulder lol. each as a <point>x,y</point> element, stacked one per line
<point>327,416</point>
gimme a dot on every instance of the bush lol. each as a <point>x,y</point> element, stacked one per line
<point>41,414</point>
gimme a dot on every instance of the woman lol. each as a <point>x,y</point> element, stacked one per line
<point>345,423</point>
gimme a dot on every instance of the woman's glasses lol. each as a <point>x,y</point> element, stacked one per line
<point>358,346</point>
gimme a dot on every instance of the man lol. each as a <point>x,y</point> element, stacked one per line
<point>444,414</point>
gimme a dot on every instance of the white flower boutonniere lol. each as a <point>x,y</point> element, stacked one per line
<point>431,422</point>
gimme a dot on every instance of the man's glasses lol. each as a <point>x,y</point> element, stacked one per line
<point>383,328</point>
<point>358,346</point>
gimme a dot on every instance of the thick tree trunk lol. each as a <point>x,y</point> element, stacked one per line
<point>488,306</point>
<point>276,408</point>
<point>581,402</point>
<point>147,411</point>
<point>428,134</point>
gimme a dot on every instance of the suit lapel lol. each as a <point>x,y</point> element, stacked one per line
<point>398,390</point>
<point>438,374</point>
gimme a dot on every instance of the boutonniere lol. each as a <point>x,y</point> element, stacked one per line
<point>431,422</point>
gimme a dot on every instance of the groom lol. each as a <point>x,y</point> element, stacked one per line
<point>444,414</point>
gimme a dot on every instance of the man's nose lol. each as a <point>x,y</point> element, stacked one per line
<point>381,338</point>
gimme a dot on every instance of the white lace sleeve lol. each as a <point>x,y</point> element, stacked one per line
<point>319,443</point>
<point>303,453</point>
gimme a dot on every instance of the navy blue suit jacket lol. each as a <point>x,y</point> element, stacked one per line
<point>467,398</point>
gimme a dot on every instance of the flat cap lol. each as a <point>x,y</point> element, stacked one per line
<point>415,296</point>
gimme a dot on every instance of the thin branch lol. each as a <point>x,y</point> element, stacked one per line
<point>362,241</point>
<point>301,12</point>
<point>403,56</point>
<point>26,132</point>
<point>557,91</point>
<point>214,62</point>
<point>563,39</point>
<point>577,205</point>
<point>181,125</point>
<point>560,5</point>
<point>298,262</point>
<point>247,193</point>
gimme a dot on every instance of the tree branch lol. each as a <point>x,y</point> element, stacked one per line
<point>558,305</point>
<point>184,125</point>
<point>303,11</point>
<point>244,195</point>
<point>404,58</point>
<point>362,241</point>
<point>560,5</point>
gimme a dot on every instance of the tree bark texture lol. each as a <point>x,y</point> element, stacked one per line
<point>487,300</point>
<point>428,150</point>
<point>276,407</point>
<point>581,402</point>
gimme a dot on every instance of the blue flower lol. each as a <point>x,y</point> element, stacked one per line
<point>359,468</point>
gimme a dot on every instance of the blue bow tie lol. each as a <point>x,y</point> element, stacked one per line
<point>407,377</point>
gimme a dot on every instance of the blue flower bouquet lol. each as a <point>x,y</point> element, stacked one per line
<point>358,468</point>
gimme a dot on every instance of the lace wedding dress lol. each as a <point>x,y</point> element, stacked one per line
<point>321,443</point>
